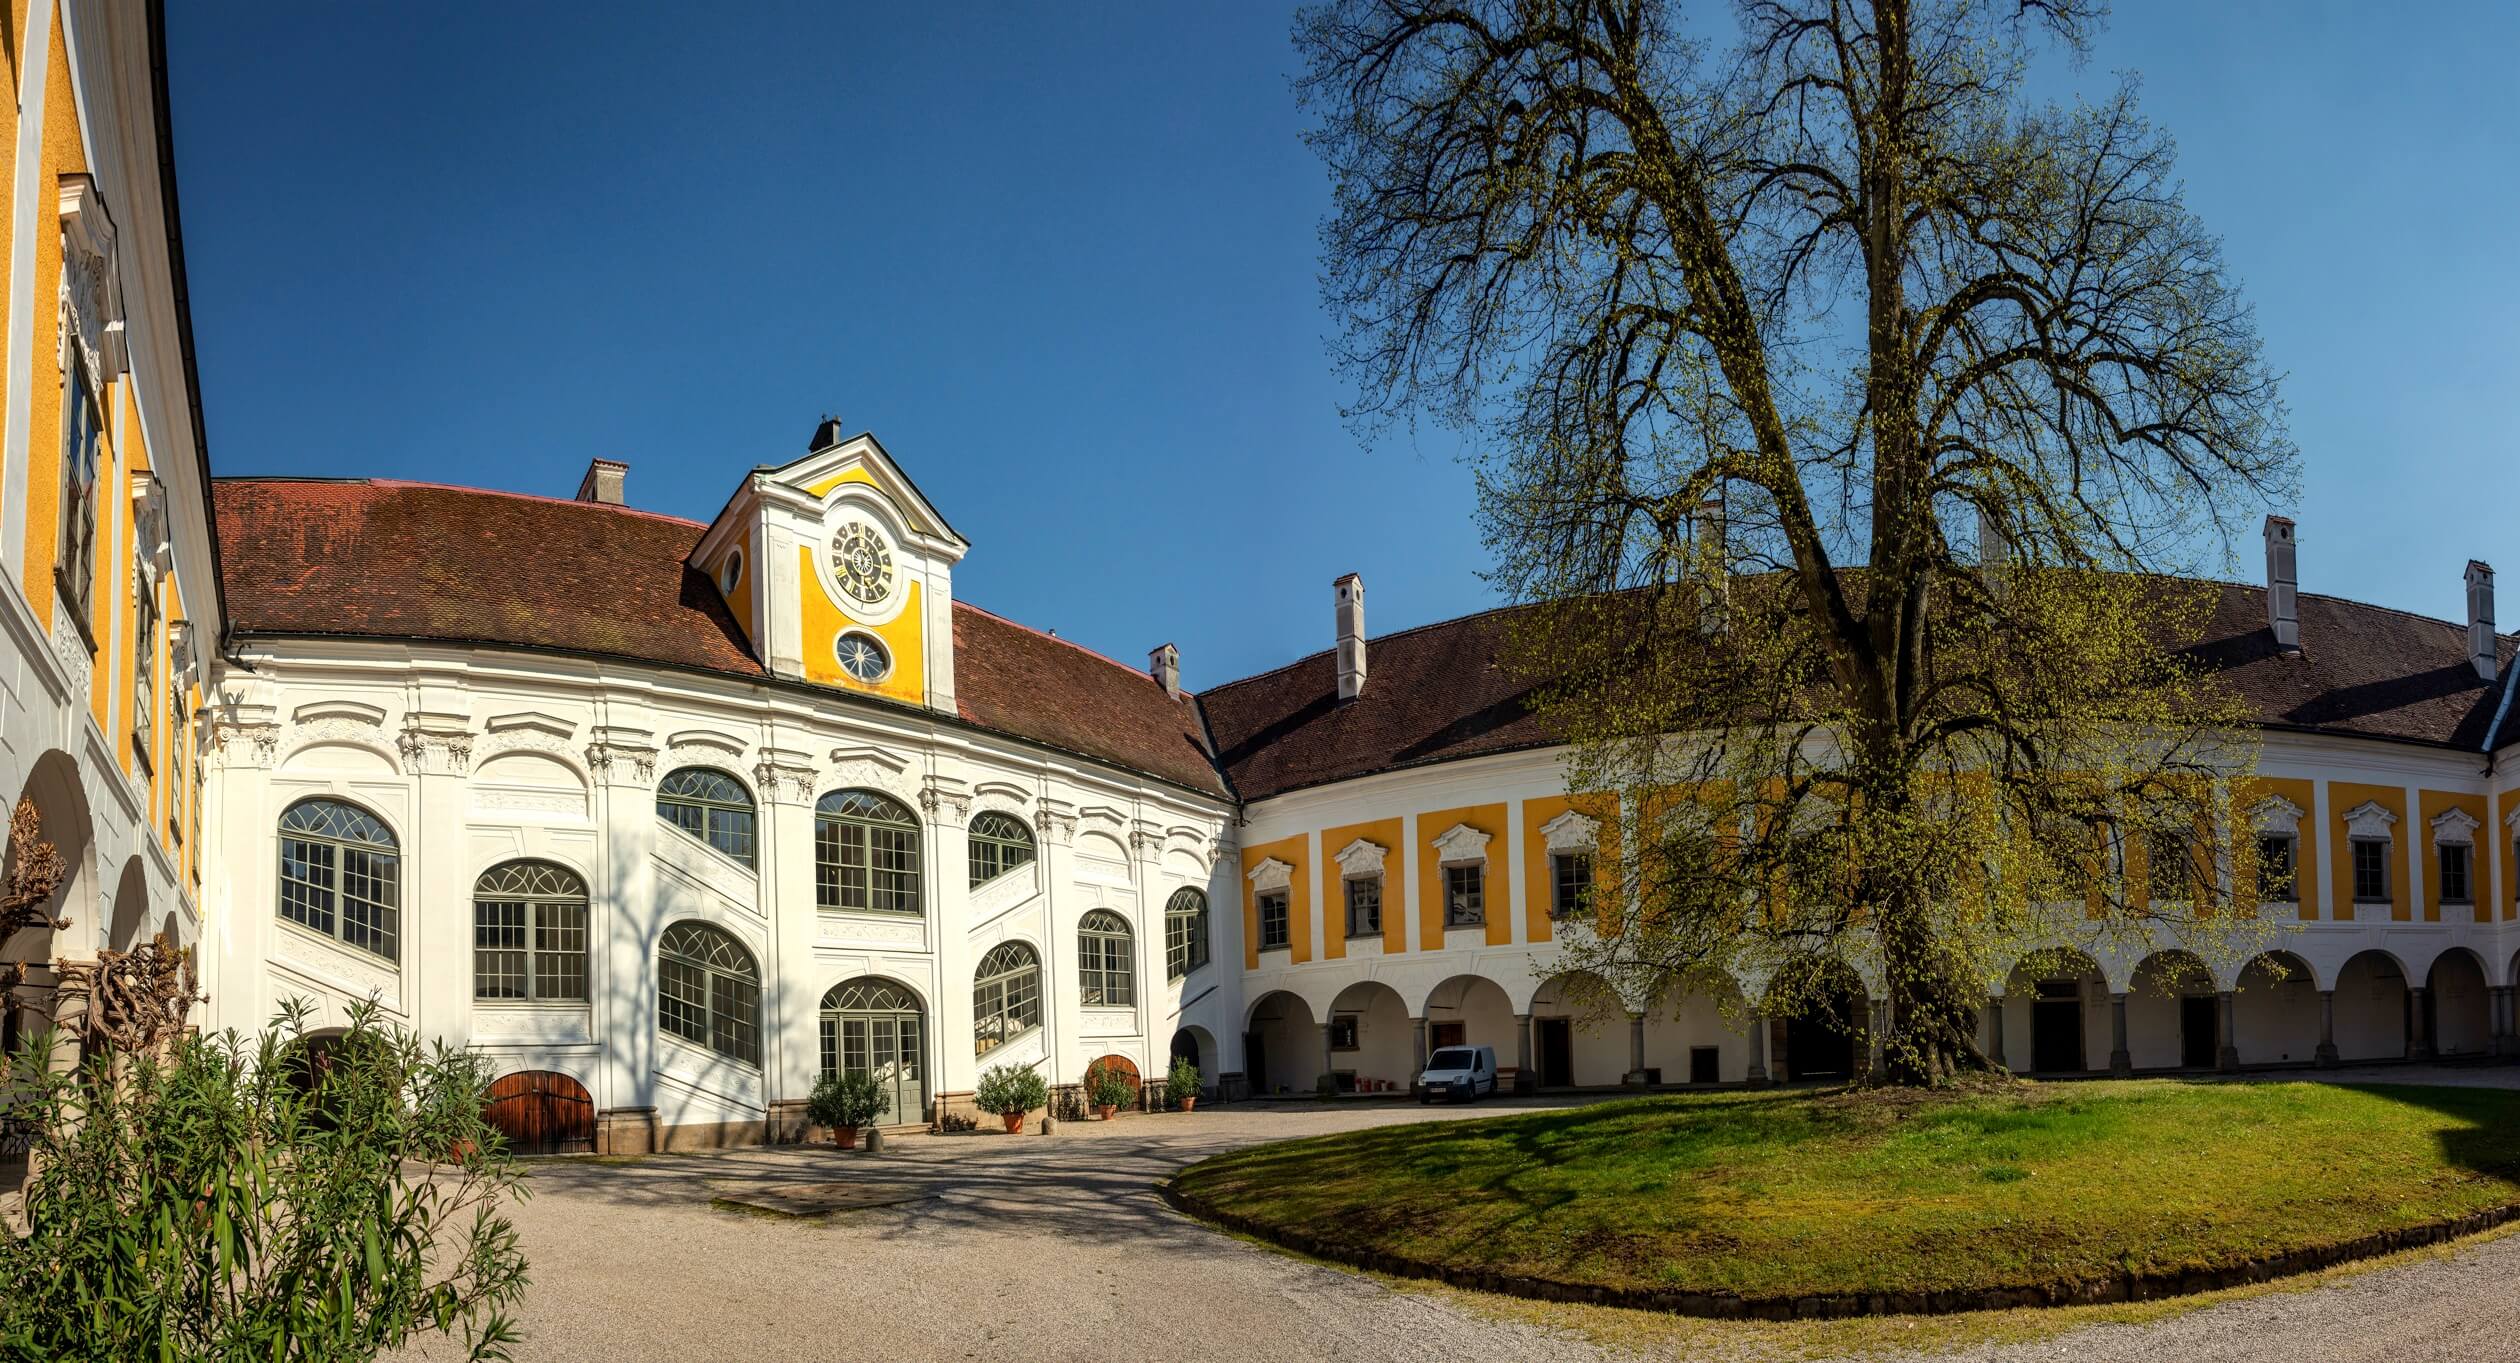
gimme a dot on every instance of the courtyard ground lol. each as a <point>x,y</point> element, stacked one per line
<point>1057,1248</point>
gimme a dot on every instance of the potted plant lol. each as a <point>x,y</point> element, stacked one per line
<point>1010,1091</point>
<point>1181,1083</point>
<point>1107,1087</point>
<point>844,1102</point>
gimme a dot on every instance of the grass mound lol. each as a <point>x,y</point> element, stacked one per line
<point>1778,1195</point>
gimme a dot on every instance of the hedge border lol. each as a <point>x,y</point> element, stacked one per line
<point>1843,1305</point>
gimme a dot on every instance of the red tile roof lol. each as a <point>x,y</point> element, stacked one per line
<point>375,558</point>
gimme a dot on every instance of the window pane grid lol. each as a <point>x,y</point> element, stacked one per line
<point>1006,996</point>
<point>1364,906</point>
<point>340,875</point>
<point>709,991</point>
<point>711,806</point>
<point>866,854</point>
<point>1571,877</point>
<point>1104,948</point>
<point>1273,931</point>
<point>1465,897</point>
<point>1185,933</point>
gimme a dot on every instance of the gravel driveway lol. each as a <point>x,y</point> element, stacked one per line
<point>1055,1249</point>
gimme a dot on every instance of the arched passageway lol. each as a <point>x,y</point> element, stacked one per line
<point>1282,1047</point>
<point>2056,1015</point>
<point>1698,1032</point>
<point>1371,1039</point>
<point>1472,1010</point>
<point>1194,1045</point>
<point>2371,1007</point>
<point>1820,1023</point>
<point>2275,1011</point>
<point>2457,1017</point>
<point>1580,1035</point>
<point>2173,1014</point>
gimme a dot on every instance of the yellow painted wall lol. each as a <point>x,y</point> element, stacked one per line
<point>12,60</point>
<point>1383,833</point>
<point>2480,886</point>
<point>2346,795</point>
<point>852,474</point>
<point>2500,834</point>
<point>2304,795</point>
<point>904,636</point>
<point>1298,901</point>
<point>62,154</point>
<point>741,603</point>
<point>1538,884</point>
<point>1496,885</point>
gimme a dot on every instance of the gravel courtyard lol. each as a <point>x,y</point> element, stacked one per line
<point>1056,1249</point>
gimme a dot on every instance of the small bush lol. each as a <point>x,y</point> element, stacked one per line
<point>264,1199</point>
<point>848,1099</point>
<point>1010,1088</point>
<point>1108,1086</point>
<point>1181,1082</point>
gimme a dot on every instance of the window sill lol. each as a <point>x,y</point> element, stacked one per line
<point>1368,935</point>
<point>78,618</point>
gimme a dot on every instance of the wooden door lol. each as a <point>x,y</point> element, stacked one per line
<point>541,1113</point>
<point>1442,1034</point>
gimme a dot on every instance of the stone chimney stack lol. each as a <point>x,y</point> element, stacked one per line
<point>602,482</point>
<point>1994,546</point>
<point>1714,557</point>
<point>2283,585</point>
<point>2483,648</point>
<point>826,434</point>
<point>1350,591</point>
<point>1164,665</point>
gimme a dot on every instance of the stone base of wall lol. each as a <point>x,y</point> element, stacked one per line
<point>787,1123</point>
<point>625,1131</point>
<point>712,1135</point>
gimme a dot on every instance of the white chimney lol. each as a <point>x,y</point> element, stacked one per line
<point>2483,648</point>
<point>602,482</point>
<point>1164,665</point>
<point>2283,585</point>
<point>1351,598</point>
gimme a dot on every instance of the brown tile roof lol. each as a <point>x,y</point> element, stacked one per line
<point>384,559</point>
<point>1438,692</point>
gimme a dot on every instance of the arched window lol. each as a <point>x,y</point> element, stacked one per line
<point>999,843</point>
<point>529,933</point>
<point>866,853</point>
<point>1005,996</point>
<point>873,1027</point>
<point>711,806</point>
<point>1104,952</point>
<point>341,875</point>
<point>708,991</point>
<point>1185,933</point>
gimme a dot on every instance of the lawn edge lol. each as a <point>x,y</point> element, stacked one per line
<point>2125,1287</point>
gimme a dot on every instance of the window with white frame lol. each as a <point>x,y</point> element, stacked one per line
<point>1273,920</point>
<point>1361,887</point>
<point>1572,838</point>
<point>2454,855</point>
<point>143,668</point>
<point>2169,865</point>
<point>341,875</point>
<point>1005,996</point>
<point>1185,932</point>
<point>1461,853</point>
<point>529,933</point>
<point>708,991</point>
<point>711,806</point>
<point>999,843</point>
<point>2278,850</point>
<point>2370,841</point>
<point>82,436</point>
<point>866,853</point>
<point>1272,893</point>
<point>1106,952</point>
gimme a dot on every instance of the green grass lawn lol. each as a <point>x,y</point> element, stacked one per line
<point>1792,1193</point>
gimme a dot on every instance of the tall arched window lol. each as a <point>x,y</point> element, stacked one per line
<point>1185,933</point>
<point>866,853</point>
<point>711,806</point>
<point>871,1026</point>
<point>529,933</point>
<point>999,843</point>
<point>341,875</point>
<point>1104,954</point>
<point>708,991</point>
<point>1005,996</point>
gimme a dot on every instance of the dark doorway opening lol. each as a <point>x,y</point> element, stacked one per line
<point>1256,1062</point>
<point>1442,1034</point>
<point>2056,1028</point>
<point>1557,1052</point>
<point>1820,1042</point>
<point>2199,1020</point>
<point>1702,1061</point>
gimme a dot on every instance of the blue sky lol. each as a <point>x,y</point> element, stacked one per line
<point>1061,260</point>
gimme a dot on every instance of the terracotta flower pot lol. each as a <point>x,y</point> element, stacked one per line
<point>1106,1109</point>
<point>1014,1122</point>
<point>845,1137</point>
<point>1190,1102</point>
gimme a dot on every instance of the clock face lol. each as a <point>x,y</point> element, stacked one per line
<point>862,563</point>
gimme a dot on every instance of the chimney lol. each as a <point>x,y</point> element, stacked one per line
<point>2482,646</point>
<point>1715,560</point>
<point>2283,585</point>
<point>1351,598</point>
<point>602,482</point>
<point>1994,546</point>
<point>826,435</point>
<point>1164,665</point>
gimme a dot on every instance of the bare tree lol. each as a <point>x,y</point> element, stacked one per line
<point>1851,410</point>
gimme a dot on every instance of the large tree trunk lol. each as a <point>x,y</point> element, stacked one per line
<point>1933,1004</point>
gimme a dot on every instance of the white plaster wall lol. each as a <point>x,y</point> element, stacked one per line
<point>2370,1010</point>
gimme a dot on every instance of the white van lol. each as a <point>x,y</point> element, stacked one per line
<point>1458,1072</point>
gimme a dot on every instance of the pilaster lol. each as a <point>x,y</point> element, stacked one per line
<point>784,781</point>
<point>953,1071</point>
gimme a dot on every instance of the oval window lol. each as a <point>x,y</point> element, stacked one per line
<point>862,656</point>
<point>731,572</point>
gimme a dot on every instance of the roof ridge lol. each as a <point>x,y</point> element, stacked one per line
<point>960,604</point>
<point>1373,639</point>
<point>609,507</point>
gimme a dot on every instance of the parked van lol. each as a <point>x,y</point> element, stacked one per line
<point>1462,1072</point>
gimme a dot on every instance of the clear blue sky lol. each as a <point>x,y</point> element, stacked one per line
<point>1060,259</point>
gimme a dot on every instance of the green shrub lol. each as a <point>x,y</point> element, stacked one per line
<point>1181,1082</point>
<point>1108,1086</point>
<point>851,1098</point>
<point>262,1199</point>
<point>1010,1088</point>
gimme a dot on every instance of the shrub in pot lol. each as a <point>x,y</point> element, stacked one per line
<point>844,1102</point>
<point>1107,1088</point>
<point>1181,1084</point>
<point>1010,1091</point>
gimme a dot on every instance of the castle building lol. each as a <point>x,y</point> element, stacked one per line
<point>668,819</point>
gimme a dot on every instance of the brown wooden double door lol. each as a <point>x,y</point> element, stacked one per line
<point>542,1113</point>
